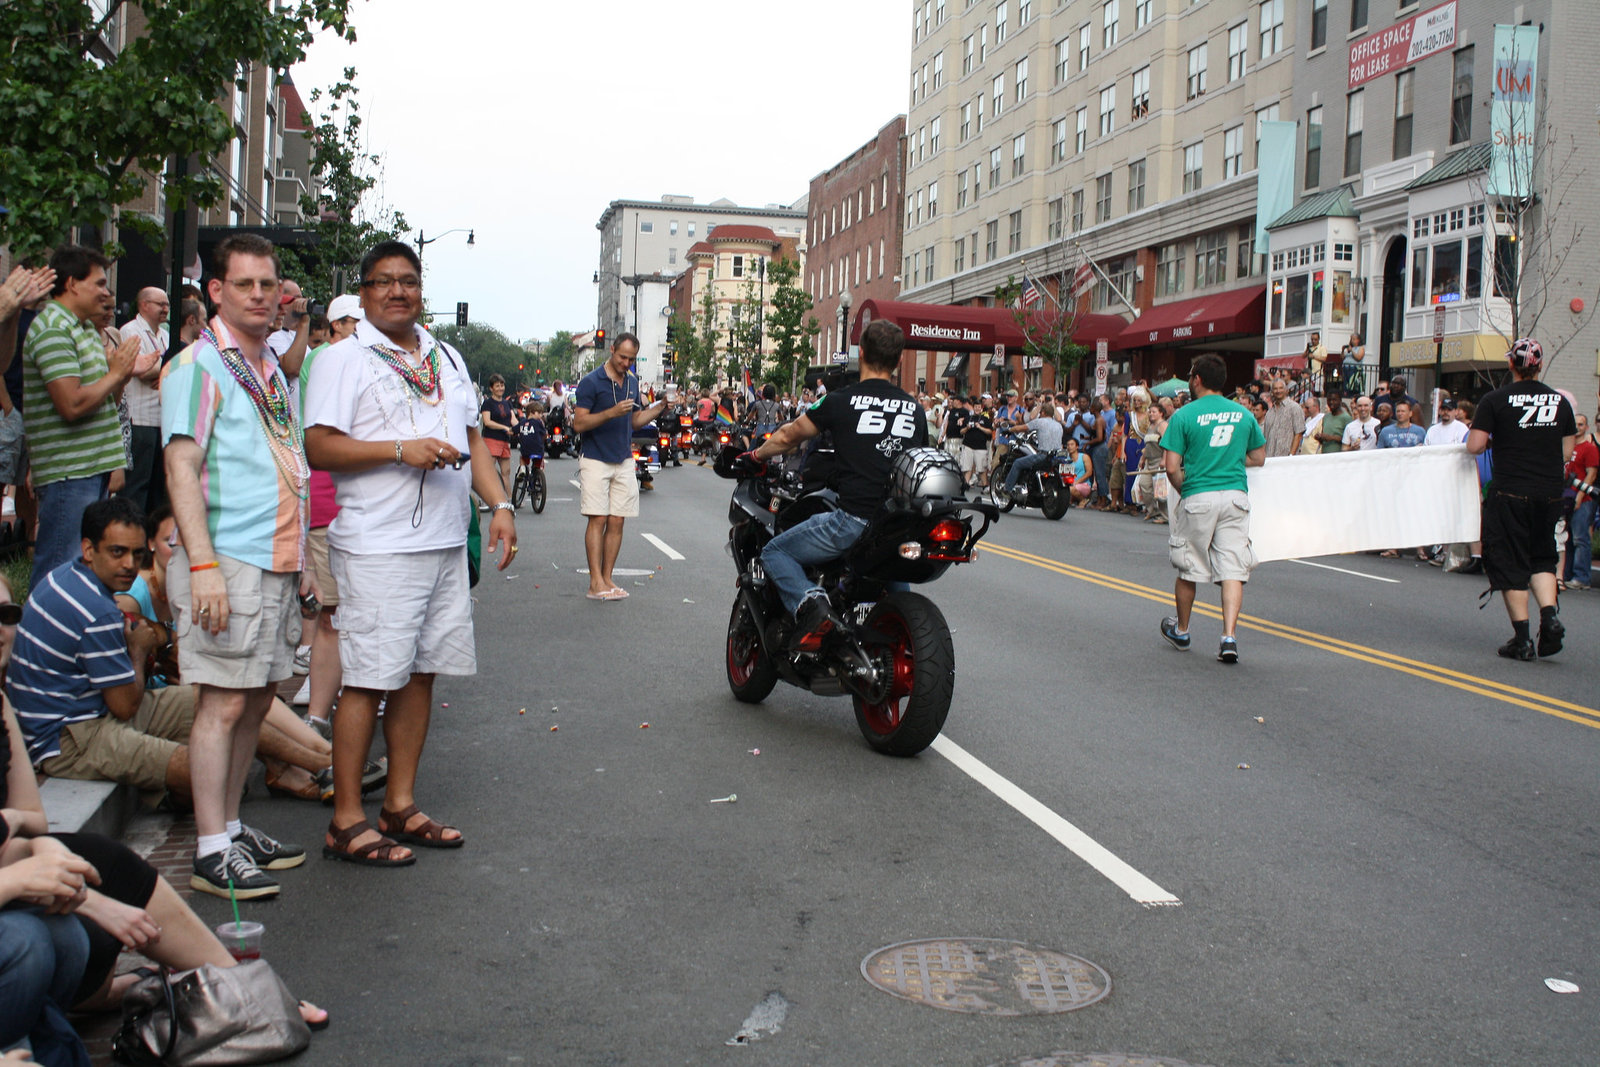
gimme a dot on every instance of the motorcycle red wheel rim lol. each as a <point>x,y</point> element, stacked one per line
<point>884,717</point>
<point>741,668</point>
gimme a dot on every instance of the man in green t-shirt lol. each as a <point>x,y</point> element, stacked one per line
<point>1209,442</point>
<point>1330,432</point>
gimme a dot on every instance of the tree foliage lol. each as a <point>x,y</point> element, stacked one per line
<point>789,327</point>
<point>488,351</point>
<point>1047,329</point>
<point>694,343</point>
<point>348,218</point>
<point>84,130</point>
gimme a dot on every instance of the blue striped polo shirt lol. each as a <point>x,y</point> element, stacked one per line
<point>69,647</point>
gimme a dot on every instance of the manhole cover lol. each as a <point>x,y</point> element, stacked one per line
<point>986,976</point>
<point>1095,1059</point>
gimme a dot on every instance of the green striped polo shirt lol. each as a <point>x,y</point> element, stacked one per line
<point>59,346</point>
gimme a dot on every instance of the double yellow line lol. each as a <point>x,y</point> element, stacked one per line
<point>1468,683</point>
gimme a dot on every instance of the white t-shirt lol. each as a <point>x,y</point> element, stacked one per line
<point>352,390</point>
<point>1364,435</point>
<point>144,399</point>
<point>1446,433</point>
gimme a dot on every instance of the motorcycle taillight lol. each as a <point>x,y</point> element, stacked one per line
<point>947,530</point>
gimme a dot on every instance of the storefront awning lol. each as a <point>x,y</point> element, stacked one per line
<point>1461,352</point>
<point>951,328</point>
<point>957,367</point>
<point>1092,326</point>
<point>1192,321</point>
<point>996,363</point>
<point>1294,362</point>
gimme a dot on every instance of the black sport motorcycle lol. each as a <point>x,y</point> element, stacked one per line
<point>893,653</point>
<point>1045,488</point>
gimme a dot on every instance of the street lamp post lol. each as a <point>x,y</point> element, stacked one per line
<point>424,242</point>
<point>844,320</point>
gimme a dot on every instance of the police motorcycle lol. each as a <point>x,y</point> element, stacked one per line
<point>893,654</point>
<point>559,435</point>
<point>1045,488</point>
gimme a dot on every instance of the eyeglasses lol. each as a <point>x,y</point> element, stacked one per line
<point>411,284</point>
<point>246,286</point>
<point>10,614</point>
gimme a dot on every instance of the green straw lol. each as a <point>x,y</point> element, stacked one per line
<point>238,924</point>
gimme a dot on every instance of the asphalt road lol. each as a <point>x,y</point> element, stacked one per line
<point>1380,836</point>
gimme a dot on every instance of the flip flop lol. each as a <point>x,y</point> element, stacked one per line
<point>609,594</point>
<point>618,593</point>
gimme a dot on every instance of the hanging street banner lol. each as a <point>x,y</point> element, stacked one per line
<point>1403,44</point>
<point>1513,113</point>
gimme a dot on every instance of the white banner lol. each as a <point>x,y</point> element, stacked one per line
<point>1358,501</point>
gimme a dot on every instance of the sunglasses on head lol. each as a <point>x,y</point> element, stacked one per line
<point>10,614</point>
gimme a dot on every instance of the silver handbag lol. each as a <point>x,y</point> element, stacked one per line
<point>210,1016</point>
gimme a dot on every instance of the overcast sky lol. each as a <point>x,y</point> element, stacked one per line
<point>524,120</point>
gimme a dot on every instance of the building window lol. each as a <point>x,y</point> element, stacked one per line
<point>1102,198</point>
<point>1266,114</point>
<point>916,269</point>
<point>983,44</point>
<point>646,226</point>
<point>1058,140</point>
<point>923,94</point>
<point>1111,21</point>
<point>672,228</point>
<point>1054,233</point>
<point>992,242</point>
<point>999,92</point>
<point>919,205</point>
<point>1019,153</point>
<point>927,262</point>
<point>1210,259</point>
<point>1419,276</point>
<point>1248,262</point>
<point>1461,97</point>
<point>691,229</point>
<point>960,262</point>
<point>933,199</point>
<point>1135,185</point>
<point>1083,48</point>
<point>1024,12</point>
<point>1108,110</point>
<point>1000,24</point>
<point>738,266</point>
<point>966,121</point>
<point>1169,270</point>
<point>1238,36</point>
<point>1193,166</point>
<point>1014,238</point>
<point>1063,55</point>
<point>1319,24</point>
<point>1121,273</point>
<point>911,203</point>
<point>1141,93</point>
<point>961,190</point>
<point>1271,27</point>
<point>1197,71</point>
<point>933,135</point>
<point>1313,148</point>
<point>938,13</point>
<point>1404,88</point>
<point>1232,152</point>
<point>994,167</point>
<point>1354,110</point>
<point>1141,14</point>
<point>1077,210</point>
<point>1358,15</point>
<point>966,55</point>
<point>938,70</point>
<point>672,256</point>
<point>1081,137</point>
<point>1021,78</point>
<point>977,183</point>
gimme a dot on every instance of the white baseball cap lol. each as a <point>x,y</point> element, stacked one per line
<point>345,307</point>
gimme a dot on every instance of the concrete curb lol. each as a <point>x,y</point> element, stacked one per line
<point>89,807</point>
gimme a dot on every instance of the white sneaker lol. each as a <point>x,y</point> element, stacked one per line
<point>302,660</point>
<point>303,697</point>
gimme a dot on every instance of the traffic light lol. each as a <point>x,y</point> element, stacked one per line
<point>461,313</point>
<point>600,338</point>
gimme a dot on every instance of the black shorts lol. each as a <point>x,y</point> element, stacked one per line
<point>124,877</point>
<point>1519,538</point>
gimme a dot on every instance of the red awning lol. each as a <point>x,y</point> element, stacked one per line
<point>1194,320</point>
<point>1092,326</point>
<point>950,328</point>
<point>1294,362</point>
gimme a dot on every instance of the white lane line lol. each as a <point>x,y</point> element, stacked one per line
<point>575,483</point>
<point>1086,848</point>
<point>1341,570</point>
<point>663,546</point>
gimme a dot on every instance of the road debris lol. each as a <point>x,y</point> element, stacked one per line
<point>1561,985</point>
<point>1244,766</point>
<point>731,798</point>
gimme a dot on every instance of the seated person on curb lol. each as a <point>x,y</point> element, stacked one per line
<point>78,678</point>
<point>871,422</point>
<point>1050,433</point>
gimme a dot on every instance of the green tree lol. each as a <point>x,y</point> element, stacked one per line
<point>348,221</point>
<point>488,351</point>
<point>695,341</point>
<point>556,361</point>
<point>83,129</point>
<point>1047,329</point>
<point>788,326</point>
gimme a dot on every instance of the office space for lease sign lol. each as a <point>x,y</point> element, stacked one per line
<point>1403,44</point>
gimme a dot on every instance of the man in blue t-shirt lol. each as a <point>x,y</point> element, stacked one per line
<point>609,408</point>
<point>1402,432</point>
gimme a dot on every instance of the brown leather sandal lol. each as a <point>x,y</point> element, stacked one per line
<point>379,853</point>
<point>429,835</point>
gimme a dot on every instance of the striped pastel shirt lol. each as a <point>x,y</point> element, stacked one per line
<point>252,511</point>
<point>59,346</point>
<point>69,647</point>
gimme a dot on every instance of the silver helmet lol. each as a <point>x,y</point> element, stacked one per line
<point>925,474</point>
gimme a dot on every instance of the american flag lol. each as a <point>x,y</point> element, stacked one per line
<point>1030,292</point>
<point>1082,280</point>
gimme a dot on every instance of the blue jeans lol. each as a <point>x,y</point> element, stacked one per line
<point>1025,464</point>
<point>42,958</point>
<point>1581,556</point>
<point>60,538</point>
<point>816,540</point>
<point>1101,455</point>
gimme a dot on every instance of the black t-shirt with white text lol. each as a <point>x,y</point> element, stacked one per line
<point>871,422</point>
<point>977,422</point>
<point>1526,422</point>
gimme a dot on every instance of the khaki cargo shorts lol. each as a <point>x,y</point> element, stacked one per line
<point>608,488</point>
<point>257,648</point>
<point>135,752</point>
<point>1208,538</point>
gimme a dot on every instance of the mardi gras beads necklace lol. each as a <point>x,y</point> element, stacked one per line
<point>270,399</point>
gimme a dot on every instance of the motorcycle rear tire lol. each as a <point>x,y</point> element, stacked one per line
<point>1056,500</point>
<point>751,672</point>
<point>540,490</point>
<point>924,668</point>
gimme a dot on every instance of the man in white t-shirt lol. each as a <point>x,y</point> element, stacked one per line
<point>289,340</point>
<point>393,415</point>
<point>1447,431</point>
<point>145,485</point>
<point>1362,433</point>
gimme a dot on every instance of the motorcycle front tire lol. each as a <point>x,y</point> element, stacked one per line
<point>1056,499</point>
<point>923,665</point>
<point>751,672</point>
<point>997,481</point>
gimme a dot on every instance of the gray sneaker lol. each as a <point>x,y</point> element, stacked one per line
<point>213,873</point>
<point>1169,630</point>
<point>267,853</point>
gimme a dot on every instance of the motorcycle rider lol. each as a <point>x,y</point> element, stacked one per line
<point>870,422</point>
<point>1049,442</point>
